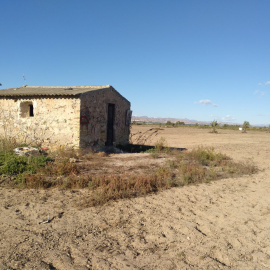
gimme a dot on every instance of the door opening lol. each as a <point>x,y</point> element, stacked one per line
<point>110,124</point>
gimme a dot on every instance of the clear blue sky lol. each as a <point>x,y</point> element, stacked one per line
<point>196,59</point>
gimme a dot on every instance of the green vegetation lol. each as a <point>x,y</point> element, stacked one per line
<point>16,165</point>
<point>179,123</point>
<point>176,124</point>
<point>159,147</point>
<point>246,125</point>
<point>169,123</point>
<point>11,164</point>
<point>232,127</point>
<point>214,125</point>
<point>207,126</point>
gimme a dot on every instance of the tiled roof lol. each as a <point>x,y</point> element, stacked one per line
<point>50,90</point>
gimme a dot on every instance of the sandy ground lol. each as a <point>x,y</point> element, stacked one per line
<point>221,225</point>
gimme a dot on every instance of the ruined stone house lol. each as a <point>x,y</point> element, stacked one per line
<point>77,116</point>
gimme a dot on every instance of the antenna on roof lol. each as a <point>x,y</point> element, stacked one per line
<point>24,80</point>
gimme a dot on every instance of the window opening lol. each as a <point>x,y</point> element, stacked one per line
<point>31,110</point>
<point>128,117</point>
<point>26,109</point>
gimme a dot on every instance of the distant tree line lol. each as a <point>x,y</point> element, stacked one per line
<point>214,125</point>
<point>176,124</point>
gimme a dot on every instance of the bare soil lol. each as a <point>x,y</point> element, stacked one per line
<point>219,225</point>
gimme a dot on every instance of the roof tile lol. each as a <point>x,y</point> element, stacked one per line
<point>50,90</point>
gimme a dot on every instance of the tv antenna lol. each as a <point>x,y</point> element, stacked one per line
<point>24,80</point>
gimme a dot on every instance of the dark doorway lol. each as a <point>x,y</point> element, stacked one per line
<point>110,124</point>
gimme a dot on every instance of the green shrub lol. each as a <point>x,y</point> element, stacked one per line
<point>40,161</point>
<point>159,147</point>
<point>12,164</point>
<point>214,125</point>
<point>206,156</point>
<point>16,165</point>
<point>245,126</point>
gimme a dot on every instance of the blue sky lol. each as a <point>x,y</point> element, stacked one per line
<point>197,59</point>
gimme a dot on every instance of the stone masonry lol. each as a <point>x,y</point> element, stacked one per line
<point>64,116</point>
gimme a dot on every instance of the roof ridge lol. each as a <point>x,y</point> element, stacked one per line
<point>68,86</point>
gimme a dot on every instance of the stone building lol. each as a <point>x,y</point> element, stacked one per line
<point>77,116</point>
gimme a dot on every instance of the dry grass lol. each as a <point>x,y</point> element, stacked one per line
<point>182,168</point>
<point>114,187</point>
<point>205,165</point>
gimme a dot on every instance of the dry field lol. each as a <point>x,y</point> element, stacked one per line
<point>219,225</point>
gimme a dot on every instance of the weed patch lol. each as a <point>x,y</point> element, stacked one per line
<point>182,168</point>
<point>113,187</point>
<point>16,165</point>
<point>204,165</point>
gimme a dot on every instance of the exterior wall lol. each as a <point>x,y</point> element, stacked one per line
<point>94,108</point>
<point>68,121</point>
<point>56,120</point>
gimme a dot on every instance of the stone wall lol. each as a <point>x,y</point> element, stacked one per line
<point>94,114</point>
<point>65,121</point>
<point>54,121</point>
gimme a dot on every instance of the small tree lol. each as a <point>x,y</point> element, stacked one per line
<point>245,126</point>
<point>180,123</point>
<point>214,125</point>
<point>169,123</point>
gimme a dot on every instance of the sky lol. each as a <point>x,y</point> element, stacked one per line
<point>197,59</point>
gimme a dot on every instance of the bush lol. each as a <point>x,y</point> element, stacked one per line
<point>12,164</point>
<point>246,125</point>
<point>160,147</point>
<point>214,125</point>
<point>16,165</point>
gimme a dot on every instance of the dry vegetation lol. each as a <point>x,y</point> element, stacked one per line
<point>71,169</point>
<point>202,224</point>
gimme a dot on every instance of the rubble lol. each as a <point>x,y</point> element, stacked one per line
<point>26,151</point>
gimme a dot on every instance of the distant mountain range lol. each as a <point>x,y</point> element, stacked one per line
<point>147,119</point>
<point>161,120</point>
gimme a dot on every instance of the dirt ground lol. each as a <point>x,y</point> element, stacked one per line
<point>220,225</point>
